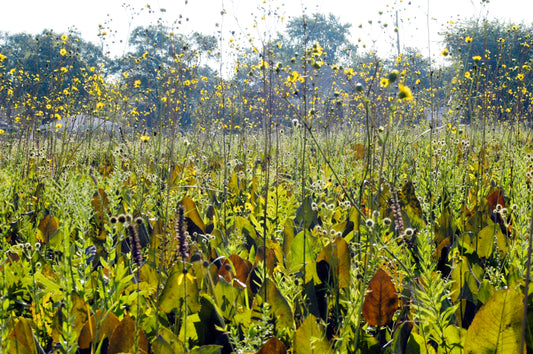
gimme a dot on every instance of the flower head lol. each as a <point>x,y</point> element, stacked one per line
<point>405,93</point>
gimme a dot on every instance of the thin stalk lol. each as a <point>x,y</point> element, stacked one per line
<point>526,287</point>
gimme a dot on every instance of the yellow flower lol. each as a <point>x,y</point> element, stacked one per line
<point>405,92</point>
<point>467,74</point>
<point>64,37</point>
<point>445,52</point>
<point>145,138</point>
<point>468,39</point>
<point>476,58</point>
<point>2,57</point>
<point>2,131</point>
<point>137,83</point>
<point>63,52</point>
<point>384,82</point>
<point>520,77</point>
<point>59,126</point>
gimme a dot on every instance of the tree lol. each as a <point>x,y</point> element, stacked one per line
<point>328,31</point>
<point>497,57</point>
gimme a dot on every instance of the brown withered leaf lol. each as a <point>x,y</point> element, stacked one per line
<point>47,228</point>
<point>273,346</point>
<point>381,300</point>
<point>124,336</point>
<point>240,271</point>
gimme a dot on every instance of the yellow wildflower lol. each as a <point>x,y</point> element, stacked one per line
<point>405,93</point>
<point>468,39</point>
<point>384,82</point>
<point>63,51</point>
<point>476,58</point>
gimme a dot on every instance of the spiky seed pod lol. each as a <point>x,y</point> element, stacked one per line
<point>398,219</point>
<point>183,247</point>
<point>135,246</point>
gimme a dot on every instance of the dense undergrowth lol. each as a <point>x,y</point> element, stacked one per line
<point>298,206</point>
<point>129,248</point>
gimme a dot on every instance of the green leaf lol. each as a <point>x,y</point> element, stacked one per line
<point>179,285</point>
<point>455,339</point>
<point>306,217</point>
<point>417,344</point>
<point>21,340</point>
<point>280,309</point>
<point>310,338</point>
<point>302,252</point>
<point>337,255</point>
<point>207,349</point>
<point>497,327</point>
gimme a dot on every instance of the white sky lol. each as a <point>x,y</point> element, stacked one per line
<point>33,16</point>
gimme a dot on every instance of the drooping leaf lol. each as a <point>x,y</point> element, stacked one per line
<point>381,300</point>
<point>100,204</point>
<point>21,339</point>
<point>301,256</point>
<point>359,151</point>
<point>337,255</point>
<point>455,338</point>
<point>267,256</point>
<point>497,327</point>
<point>310,337</point>
<point>178,287</point>
<point>446,225</point>
<point>411,205</point>
<point>235,267</point>
<point>280,309</point>
<point>306,216</point>
<point>209,328</point>
<point>483,242</point>
<point>47,228</point>
<point>124,337</point>
<point>102,323</point>
<point>417,344</point>
<point>80,313</point>
<point>273,346</point>
<point>207,349</point>
<point>192,216</point>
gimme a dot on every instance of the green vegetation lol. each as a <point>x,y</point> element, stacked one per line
<point>316,199</point>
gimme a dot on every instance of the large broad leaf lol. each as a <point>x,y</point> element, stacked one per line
<point>125,336</point>
<point>310,338</point>
<point>483,243</point>
<point>411,205</point>
<point>235,270</point>
<point>209,328</point>
<point>194,221</point>
<point>102,324</point>
<point>179,286</point>
<point>302,255</point>
<point>280,309</point>
<point>273,346</point>
<point>337,256</point>
<point>47,228</point>
<point>21,340</point>
<point>306,216</point>
<point>381,300</point>
<point>79,313</point>
<point>497,327</point>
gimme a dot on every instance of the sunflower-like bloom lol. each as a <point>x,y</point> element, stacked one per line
<point>405,93</point>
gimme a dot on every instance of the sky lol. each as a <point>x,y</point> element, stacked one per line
<point>417,19</point>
